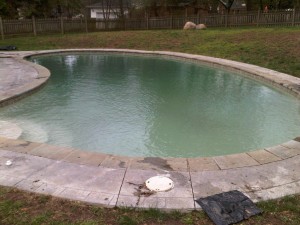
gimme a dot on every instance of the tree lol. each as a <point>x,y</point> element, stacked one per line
<point>16,9</point>
<point>8,8</point>
<point>249,5</point>
<point>272,4</point>
<point>227,4</point>
<point>106,7</point>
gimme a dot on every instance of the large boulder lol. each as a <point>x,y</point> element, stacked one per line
<point>189,26</point>
<point>201,26</point>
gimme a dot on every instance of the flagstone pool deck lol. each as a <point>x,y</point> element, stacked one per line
<point>111,180</point>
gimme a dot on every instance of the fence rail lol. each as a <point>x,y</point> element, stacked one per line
<point>61,25</point>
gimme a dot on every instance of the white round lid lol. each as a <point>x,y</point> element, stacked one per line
<point>159,183</point>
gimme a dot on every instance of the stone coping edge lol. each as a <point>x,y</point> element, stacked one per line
<point>197,164</point>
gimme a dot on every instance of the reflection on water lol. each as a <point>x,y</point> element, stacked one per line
<point>146,106</point>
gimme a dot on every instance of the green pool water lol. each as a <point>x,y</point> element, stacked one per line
<point>151,106</point>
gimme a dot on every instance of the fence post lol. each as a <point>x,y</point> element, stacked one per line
<point>33,26</point>
<point>258,18</point>
<point>124,23</point>
<point>293,16</point>
<point>147,22</point>
<point>226,20</point>
<point>171,22</point>
<point>86,24</point>
<point>62,25</point>
<point>1,28</point>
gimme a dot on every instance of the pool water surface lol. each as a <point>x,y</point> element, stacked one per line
<point>152,106</point>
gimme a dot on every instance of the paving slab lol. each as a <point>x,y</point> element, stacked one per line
<point>127,201</point>
<point>263,156</point>
<point>181,204</point>
<point>246,179</point>
<point>29,185</point>
<point>74,194</point>
<point>159,164</point>
<point>9,181</point>
<point>208,183</point>
<point>3,152</point>
<point>85,158</point>
<point>23,165</point>
<point>165,204</point>
<point>51,152</point>
<point>134,178</point>
<point>275,192</point>
<point>113,161</point>
<point>151,202</point>
<point>82,177</point>
<point>283,151</point>
<point>202,164</point>
<point>292,144</point>
<point>18,145</point>
<point>103,199</point>
<point>235,161</point>
<point>130,195</point>
<point>49,189</point>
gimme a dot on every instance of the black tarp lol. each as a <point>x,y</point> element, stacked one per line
<point>8,48</point>
<point>228,207</point>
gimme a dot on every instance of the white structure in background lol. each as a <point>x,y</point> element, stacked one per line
<point>109,9</point>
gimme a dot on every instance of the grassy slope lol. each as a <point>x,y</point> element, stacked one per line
<point>274,48</point>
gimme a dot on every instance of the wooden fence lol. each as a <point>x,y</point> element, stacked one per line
<point>61,25</point>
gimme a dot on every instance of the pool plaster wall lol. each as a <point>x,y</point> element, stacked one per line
<point>112,180</point>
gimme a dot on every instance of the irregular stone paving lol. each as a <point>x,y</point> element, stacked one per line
<point>110,180</point>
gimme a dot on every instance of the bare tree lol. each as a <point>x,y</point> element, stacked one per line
<point>106,7</point>
<point>227,4</point>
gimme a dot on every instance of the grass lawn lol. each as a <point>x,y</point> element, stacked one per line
<point>274,48</point>
<point>17,207</point>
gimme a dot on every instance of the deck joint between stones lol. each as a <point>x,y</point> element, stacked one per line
<point>118,195</point>
<point>247,153</point>
<point>191,182</point>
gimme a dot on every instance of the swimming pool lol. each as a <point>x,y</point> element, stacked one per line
<point>152,106</point>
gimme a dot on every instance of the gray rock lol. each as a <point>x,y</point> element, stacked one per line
<point>201,26</point>
<point>189,26</point>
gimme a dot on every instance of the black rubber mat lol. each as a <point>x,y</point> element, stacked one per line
<point>228,207</point>
<point>8,48</point>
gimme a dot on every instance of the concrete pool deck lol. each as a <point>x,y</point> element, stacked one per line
<point>110,180</point>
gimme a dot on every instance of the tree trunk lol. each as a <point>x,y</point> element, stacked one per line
<point>249,5</point>
<point>121,9</point>
<point>261,5</point>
